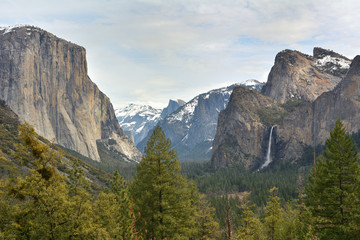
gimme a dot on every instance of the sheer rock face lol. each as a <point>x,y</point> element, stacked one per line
<point>241,135</point>
<point>44,80</point>
<point>296,75</point>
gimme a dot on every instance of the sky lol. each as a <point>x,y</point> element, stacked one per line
<point>150,51</point>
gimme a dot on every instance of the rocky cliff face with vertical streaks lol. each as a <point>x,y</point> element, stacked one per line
<point>241,135</point>
<point>44,80</point>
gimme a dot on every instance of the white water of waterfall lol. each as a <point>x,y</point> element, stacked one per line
<point>268,153</point>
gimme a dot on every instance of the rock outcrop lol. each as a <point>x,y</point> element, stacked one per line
<point>299,76</point>
<point>44,80</point>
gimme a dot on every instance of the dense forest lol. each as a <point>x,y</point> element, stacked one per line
<point>41,199</point>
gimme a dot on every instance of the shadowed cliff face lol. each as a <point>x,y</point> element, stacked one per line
<point>243,130</point>
<point>299,76</point>
<point>44,80</point>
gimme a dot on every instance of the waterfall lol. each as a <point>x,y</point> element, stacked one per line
<point>268,153</point>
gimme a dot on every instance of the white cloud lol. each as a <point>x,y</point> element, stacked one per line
<point>155,50</point>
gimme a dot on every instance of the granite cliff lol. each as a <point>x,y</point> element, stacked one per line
<point>300,76</point>
<point>243,127</point>
<point>302,114</point>
<point>45,82</point>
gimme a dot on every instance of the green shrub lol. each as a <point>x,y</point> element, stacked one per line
<point>270,115</point>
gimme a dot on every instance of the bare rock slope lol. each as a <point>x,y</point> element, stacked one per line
<point>300,76</point>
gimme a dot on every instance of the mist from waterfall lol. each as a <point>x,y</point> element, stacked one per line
<point>268,153</point>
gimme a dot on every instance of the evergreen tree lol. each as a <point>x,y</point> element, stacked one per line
<point>207,227</point>
<point>250,226</point>
<point>47,205</point>
<point>40,204</point>
<point>288,222</point>
<point>8,211</point>
<point>304,220</point>
<point>272,214</point>
<point>41,197</point>
<point>125,214</point>
<point>164,198</point>
<point>334,191</point>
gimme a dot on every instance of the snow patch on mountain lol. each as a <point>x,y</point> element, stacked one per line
<point>192,127</point>
<point>138,119</point>
<point>135,109</point>
<point>186,112</point>
<point>29,29</point>
<point>335,62</point>
<point>253,84</point>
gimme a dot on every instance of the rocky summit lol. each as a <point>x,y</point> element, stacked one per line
<point>44,80</point>
<point>300,76</point>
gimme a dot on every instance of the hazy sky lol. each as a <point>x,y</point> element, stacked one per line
<point>148,51</point>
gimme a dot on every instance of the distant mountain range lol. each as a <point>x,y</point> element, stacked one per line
<point>191,128</point>
<point>138,120</point>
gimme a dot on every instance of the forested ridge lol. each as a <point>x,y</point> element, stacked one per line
<point>44,195</point>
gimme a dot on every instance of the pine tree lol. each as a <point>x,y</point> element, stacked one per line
<point>272,214</point>
<point>164,198</point>
<point>41,205</point>
<point>207,227</point>
<point>8,211</point>
<point>304,220</point>
<point>125,214</point>
<point>250,226</point>
<point>334,192</point>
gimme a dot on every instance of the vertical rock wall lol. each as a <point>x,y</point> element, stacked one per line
<point>44,80</point>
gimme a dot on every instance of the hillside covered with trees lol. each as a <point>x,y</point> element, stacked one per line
<point>46,203</point>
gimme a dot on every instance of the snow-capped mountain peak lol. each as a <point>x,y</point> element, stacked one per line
<point>330,61</point>
<point>253,84</point>
<point>137,119</point>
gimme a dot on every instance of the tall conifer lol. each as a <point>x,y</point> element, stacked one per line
<point>164,198</point>
<point>334,193</point>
